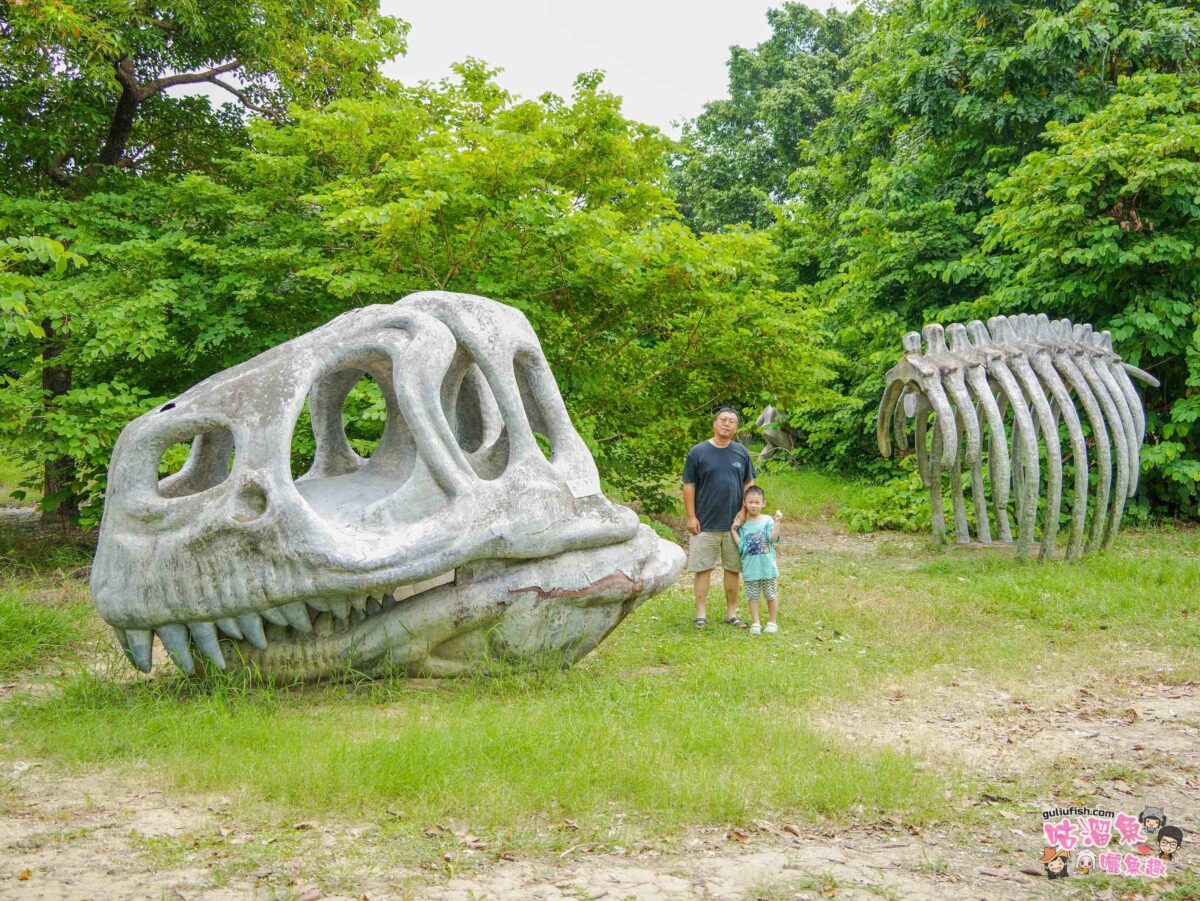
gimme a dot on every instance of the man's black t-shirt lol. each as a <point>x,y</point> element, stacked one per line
<point>718,474</point>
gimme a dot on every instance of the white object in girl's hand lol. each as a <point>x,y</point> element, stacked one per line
<point>778,515</point>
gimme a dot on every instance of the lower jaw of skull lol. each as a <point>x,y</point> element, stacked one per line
<point>544,613</point>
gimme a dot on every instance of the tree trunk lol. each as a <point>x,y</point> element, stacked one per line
<point>58,473</point>
<point>123,116</point>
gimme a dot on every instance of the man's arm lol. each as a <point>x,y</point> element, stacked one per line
<point>689,503</point>
<point>741,517</point>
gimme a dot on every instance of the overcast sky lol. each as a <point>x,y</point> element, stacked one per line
<point>666,58</point>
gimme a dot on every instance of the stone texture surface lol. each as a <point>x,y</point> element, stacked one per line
<point>459,540</point>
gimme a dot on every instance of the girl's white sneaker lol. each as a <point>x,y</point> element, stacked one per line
<point>755,629</point>
<point>771,629</point>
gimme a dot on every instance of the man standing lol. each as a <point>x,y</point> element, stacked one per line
<point>715,476</point>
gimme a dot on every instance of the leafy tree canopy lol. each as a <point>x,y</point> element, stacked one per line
<point>919,197</point>
<point>556,206</point>
<point>1103,226</point>
<point>86,84</point>
<point>738,154</point>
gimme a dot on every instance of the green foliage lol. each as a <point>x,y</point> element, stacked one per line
<point>912,161</point>
<point>186,278</point>
<point>15,285</point>
<point>900,503</point>
<point>1102,227</point>
<point>738,155</point>
<point>559,209</point>
<point>86,108</point>
<point>556,207</point>
<point>88,84</point>
<point>987,157</point>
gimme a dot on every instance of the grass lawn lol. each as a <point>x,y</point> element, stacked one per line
<point>662,729</point>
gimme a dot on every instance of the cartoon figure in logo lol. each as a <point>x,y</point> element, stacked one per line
<point>1152,819</point>
<point>1055,862</point>
<point>1084,863</point>
<point>1169,840</point>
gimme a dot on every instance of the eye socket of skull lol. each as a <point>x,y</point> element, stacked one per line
<point>334,454</point>
<point>535,400</point>
<point>474,417</point>
<point>393,460</point>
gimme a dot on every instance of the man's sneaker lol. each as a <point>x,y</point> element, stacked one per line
<point>771,629</point>
<point>755,629</point>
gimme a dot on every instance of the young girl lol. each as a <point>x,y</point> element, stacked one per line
<point>756,536</point>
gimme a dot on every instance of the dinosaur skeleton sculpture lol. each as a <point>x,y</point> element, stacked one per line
<point>1018,375</point>
<point>458,540</point>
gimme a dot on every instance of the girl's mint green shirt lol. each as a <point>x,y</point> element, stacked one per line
<point>756,537</point>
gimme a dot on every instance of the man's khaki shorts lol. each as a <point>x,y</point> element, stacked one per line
<point>703,550</point>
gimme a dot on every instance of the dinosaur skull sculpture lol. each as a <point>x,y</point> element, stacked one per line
<point>457,540</point>
<point>1019,375</point>
<point>776,438</point>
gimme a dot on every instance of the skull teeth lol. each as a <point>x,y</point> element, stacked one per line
<point>251,625</point>
<point>174,638</point>
<point>231,628</point>
<point>138,645</point>
<point>204,635</point>
<point>321,616</point>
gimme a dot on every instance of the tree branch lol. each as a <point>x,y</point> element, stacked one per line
<point>133,93</point>
<point>57,173</point>
<point>170,81</point>
<point>273,114</point>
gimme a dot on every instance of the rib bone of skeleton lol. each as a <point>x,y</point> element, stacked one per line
<point>997,393</point>
<point>459,540</point>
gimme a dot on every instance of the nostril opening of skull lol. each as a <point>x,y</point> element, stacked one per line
<point>197,464</point>
<point>250,502</point>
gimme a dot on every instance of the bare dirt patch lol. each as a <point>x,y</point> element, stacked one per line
<point>850,864</point>
<point>1082,729</point>
<point>825,536</point>
<point>94,836</point>
<point>76,837</point>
